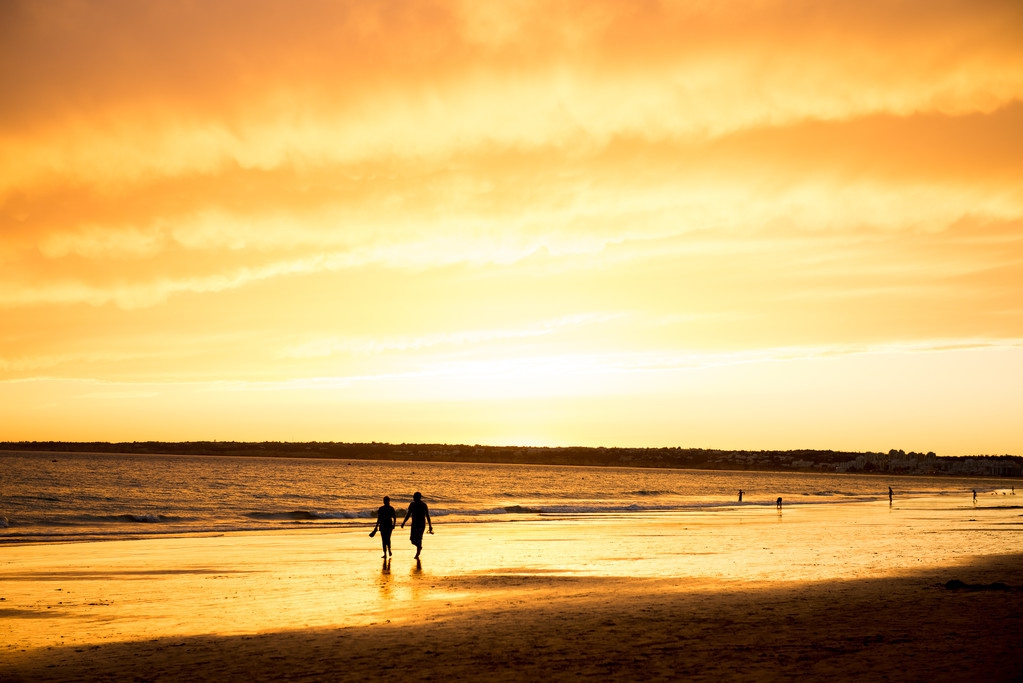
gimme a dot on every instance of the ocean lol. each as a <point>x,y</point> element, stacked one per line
<point>61,497</point>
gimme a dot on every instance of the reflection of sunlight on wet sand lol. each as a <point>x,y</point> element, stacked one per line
<point>802,542</point>
<point>247,583</point>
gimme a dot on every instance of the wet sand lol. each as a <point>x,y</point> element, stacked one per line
<point>849,591</point>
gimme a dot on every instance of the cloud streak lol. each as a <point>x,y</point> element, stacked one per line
<point>345,83</point>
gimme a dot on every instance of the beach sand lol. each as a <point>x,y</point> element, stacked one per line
<point>850,591</point>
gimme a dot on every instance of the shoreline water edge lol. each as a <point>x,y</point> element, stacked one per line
<point>89,496</point>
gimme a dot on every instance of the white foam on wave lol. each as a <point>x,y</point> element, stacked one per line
<point>343,514</point>
<point>310,515</point>
<point>146,519</point>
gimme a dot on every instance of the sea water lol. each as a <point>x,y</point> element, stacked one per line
<point>46,497</point>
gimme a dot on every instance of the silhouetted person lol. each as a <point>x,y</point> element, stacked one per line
<point>420,515</point>
<point>740,495</point>
<point>890,495</point>
<point>387,519</point>
<point>974,495</point>
<point>778,502</point>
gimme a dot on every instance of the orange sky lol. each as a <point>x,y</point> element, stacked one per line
<point>756,224</point>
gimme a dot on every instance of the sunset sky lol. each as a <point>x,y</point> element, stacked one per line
<point>751,224</point>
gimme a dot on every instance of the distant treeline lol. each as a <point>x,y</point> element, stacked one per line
<point>681,458</point>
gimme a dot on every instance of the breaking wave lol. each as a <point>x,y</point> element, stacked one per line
<point>309,515</point>
<point>129,518</point>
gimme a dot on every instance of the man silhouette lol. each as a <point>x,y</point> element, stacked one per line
<point>420,515</point>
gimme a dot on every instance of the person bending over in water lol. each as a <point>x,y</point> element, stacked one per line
<point>387,519</point>
<point>420,515</point>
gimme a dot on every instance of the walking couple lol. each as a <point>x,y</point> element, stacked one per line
<point>387,519</point>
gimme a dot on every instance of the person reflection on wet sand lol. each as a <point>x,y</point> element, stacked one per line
<point>385,579</point>
<point>420,514</point>
<point>418,585</point>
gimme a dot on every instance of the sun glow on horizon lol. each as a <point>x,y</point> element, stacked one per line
<point>751,224</point>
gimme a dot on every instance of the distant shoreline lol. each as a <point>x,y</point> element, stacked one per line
<point>823,461</point>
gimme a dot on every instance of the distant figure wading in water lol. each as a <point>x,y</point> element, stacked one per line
<point>778,503</point>
<point>420,515</point>
<point>387,519</point>
<point>890,495</point>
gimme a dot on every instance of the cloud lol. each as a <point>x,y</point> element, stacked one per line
<point>320,348</point>
<point>133,92</point>
<point>921,173</point>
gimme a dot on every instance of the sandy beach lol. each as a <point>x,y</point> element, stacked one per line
<point>848,591</point>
